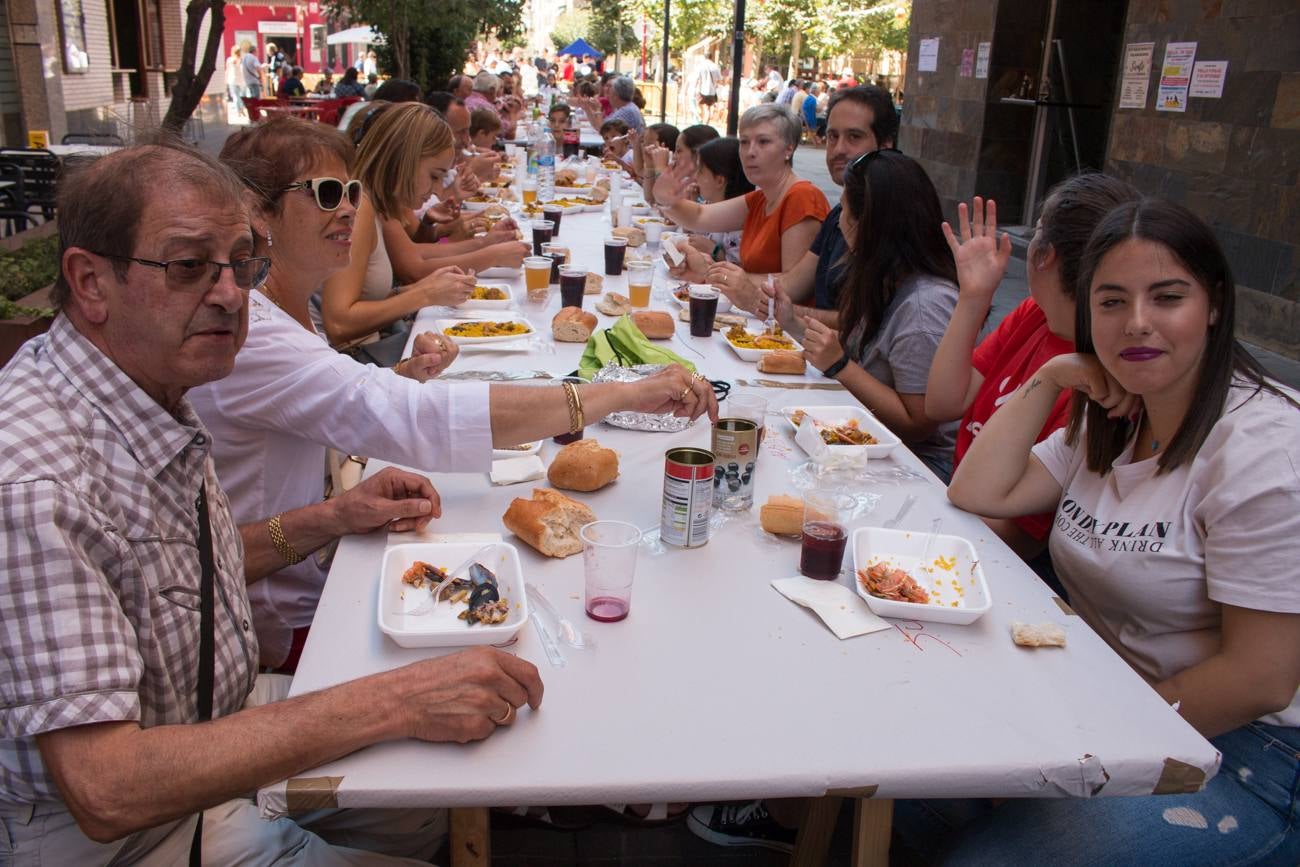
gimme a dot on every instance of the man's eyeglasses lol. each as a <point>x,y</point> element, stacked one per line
<point>862,159</point>
<point>200,275</point>
<point>329,192</point>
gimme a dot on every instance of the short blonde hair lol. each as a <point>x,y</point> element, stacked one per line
<point>390,153</point>
<point>787,125</point>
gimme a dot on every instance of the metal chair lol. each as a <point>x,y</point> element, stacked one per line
<point>94,138</point>
<point>40,171</point>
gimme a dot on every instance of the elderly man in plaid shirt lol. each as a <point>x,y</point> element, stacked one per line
<point>123,717</point>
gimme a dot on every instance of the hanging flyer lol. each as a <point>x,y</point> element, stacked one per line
<point>929,55</point>
<point>1208,77</point>
<point>982,60</point>
<point>1175,76</point>
<point>967,62</point>
<point>1137,74</point>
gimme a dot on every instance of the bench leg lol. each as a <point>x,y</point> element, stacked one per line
<point>872,821</point>
<point>813,844</point>
<point>471,837</point>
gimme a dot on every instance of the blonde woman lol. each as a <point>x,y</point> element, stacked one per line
<point>403,159</point>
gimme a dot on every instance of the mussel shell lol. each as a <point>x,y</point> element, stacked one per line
<point>482,575</point>
<point>482,594</point>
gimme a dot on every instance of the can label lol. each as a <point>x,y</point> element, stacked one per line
<point>735,454</point>
<point>688,497</point>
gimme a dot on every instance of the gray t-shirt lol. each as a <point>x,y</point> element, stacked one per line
<point>904,345</point>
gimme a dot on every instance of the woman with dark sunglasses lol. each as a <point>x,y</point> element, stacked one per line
<point>290,396</point>
<point>898,295</point>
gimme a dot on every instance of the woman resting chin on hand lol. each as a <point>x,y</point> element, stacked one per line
<point>1177,495</point>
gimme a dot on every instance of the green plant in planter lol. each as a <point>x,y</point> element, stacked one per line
<point>33,266</point>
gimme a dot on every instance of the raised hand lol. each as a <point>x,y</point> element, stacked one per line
<point>980,255</point>
<point>431,354</point>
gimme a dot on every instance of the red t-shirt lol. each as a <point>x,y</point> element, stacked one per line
<point>567,74</point>
<point>1007,358</point>
<point>760,237</point>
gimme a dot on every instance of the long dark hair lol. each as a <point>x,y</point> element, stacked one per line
<point>693,137</point>
<point>899,234</point>
<point>1196,248</point>
<point>722,157</point>
<point>1071,211</point>
<point>666,133</point>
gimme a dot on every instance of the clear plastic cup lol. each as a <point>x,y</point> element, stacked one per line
<point>826,516</point>
<point>537,278</point>
<point>640,277</point>
<point>609,563</point>
<point>747,406</point>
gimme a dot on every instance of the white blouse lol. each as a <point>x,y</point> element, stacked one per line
<point>288,398</point>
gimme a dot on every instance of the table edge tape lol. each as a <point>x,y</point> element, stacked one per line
<point>1179,778</point>
<point>311,793</point>
<point>854,792</point>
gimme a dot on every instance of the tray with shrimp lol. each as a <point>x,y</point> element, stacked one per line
<point>473,332</point>
<point>845,429</point>
<point>918,575</point>
<point>480,597</point>
<point>489,296</point>
<point>750,345</point>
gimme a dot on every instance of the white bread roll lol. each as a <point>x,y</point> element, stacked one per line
<point>781,361</point>
<point>655,324</point>
<point>782,515</point>
<point>585,465</point>
<point>549,522</point>
<point>572,325</point>
<point>594,284</point>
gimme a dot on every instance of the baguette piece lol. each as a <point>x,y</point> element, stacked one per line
<point>549,522</point>
<point>614,304</point>
<point>635,237</point>
<point>584,465</point>
<point>594,284</point>
<point>781,361</point>
<point>572,325</point>
<point>1037,634</point>
<point>655,324</point>
<point>782,515</point>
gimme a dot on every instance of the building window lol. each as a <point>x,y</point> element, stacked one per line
<point>72,30</point>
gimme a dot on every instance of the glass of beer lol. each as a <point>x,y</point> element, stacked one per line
<point>537,278</point>
<point>529,192</point>
<point>640,277</point>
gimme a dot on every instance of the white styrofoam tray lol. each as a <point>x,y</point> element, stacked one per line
<point>479,304</point>
<point>754,355</point>
<point>886,440</point>
<point>443,324</point>
<point>442,627</point>
<point>958,595</point>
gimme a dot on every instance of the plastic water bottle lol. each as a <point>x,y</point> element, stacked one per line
<point>532,149</point>
<point>545,166</point>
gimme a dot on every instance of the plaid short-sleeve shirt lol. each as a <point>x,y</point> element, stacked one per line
<point>99,563</point>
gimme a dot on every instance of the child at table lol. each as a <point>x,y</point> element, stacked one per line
<point>1177,495</point>
<point>484,126</point>
<point>970,382</point>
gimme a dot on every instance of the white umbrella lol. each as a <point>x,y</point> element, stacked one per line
<point>353,35</point>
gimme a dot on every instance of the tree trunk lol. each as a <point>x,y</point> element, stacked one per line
<point>796,48</point>
<point>188,91</point>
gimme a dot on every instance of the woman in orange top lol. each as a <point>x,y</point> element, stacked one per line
<point>778,220</point>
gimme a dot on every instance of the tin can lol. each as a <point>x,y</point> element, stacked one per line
<point>735,455</point>
<point>688,497</point>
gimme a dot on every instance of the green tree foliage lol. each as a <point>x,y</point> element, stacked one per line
<point>429,42</point>
<point>692,20</point>
<point>829,28</point>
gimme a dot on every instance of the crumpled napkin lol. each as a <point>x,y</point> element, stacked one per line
<point>512,471</point>
<point>843,611</point>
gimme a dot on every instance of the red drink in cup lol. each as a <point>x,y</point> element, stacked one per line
<point>704,307</point>
<point>553,213</point>
<point>615,250</point>
<point>573,286</point>
<point>825,519</point>
<point>543,231</point>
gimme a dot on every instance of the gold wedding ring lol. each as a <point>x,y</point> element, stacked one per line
<point>682,396</point>
<point>507,717</point>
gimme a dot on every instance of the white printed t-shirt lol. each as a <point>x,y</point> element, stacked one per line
<point>1148,559</point>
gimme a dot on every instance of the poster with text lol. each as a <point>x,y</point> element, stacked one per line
<point>1137,74</point>
<point>1175,76</point>
<point>929,57</point>
<point>982,59</point>
<point>967,62</point>
<point>1208,77</point>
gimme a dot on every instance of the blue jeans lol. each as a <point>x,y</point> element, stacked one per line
<point>1249,813</point>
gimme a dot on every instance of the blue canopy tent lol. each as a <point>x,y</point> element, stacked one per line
<point>580,47</point>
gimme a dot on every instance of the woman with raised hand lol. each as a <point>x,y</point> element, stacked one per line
<point>897,297</point>
<point>970,382</point>
<point>778,220</point>
<point>719,176</point>
<point>290,396</point>
<point>1176,490</point>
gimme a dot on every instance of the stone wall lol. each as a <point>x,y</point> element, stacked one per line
<point>943,113</point>
<point>1235,161</point>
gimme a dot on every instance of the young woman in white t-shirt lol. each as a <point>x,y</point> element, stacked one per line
<point>1176,491</point>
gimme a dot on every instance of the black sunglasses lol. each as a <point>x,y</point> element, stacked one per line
<point>329,192</point>
<point>863,159</point>
<point>200,275</point>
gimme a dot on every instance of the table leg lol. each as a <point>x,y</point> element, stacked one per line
<point>813,844</point>
<point>471,837</point>
<point>872,820</point>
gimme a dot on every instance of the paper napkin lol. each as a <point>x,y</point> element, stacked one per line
<point>843,611</point>
<point>512,471</point>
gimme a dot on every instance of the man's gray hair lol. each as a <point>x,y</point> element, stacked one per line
<point>623,88</point>
<point>780,116</point>
<point>486,82</point>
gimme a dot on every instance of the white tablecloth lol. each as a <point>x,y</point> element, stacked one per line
<point>717,687</point>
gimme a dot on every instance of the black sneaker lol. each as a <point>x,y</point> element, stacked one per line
<point>740,825</point>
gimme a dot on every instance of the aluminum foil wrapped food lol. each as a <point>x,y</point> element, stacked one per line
<point>666,423</point>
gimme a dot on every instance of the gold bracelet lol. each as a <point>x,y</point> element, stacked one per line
<point>577,398</point>
<point>575,407</point>
<point>282,546</point>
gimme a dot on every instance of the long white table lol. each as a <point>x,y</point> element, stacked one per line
<point>717,687</point>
